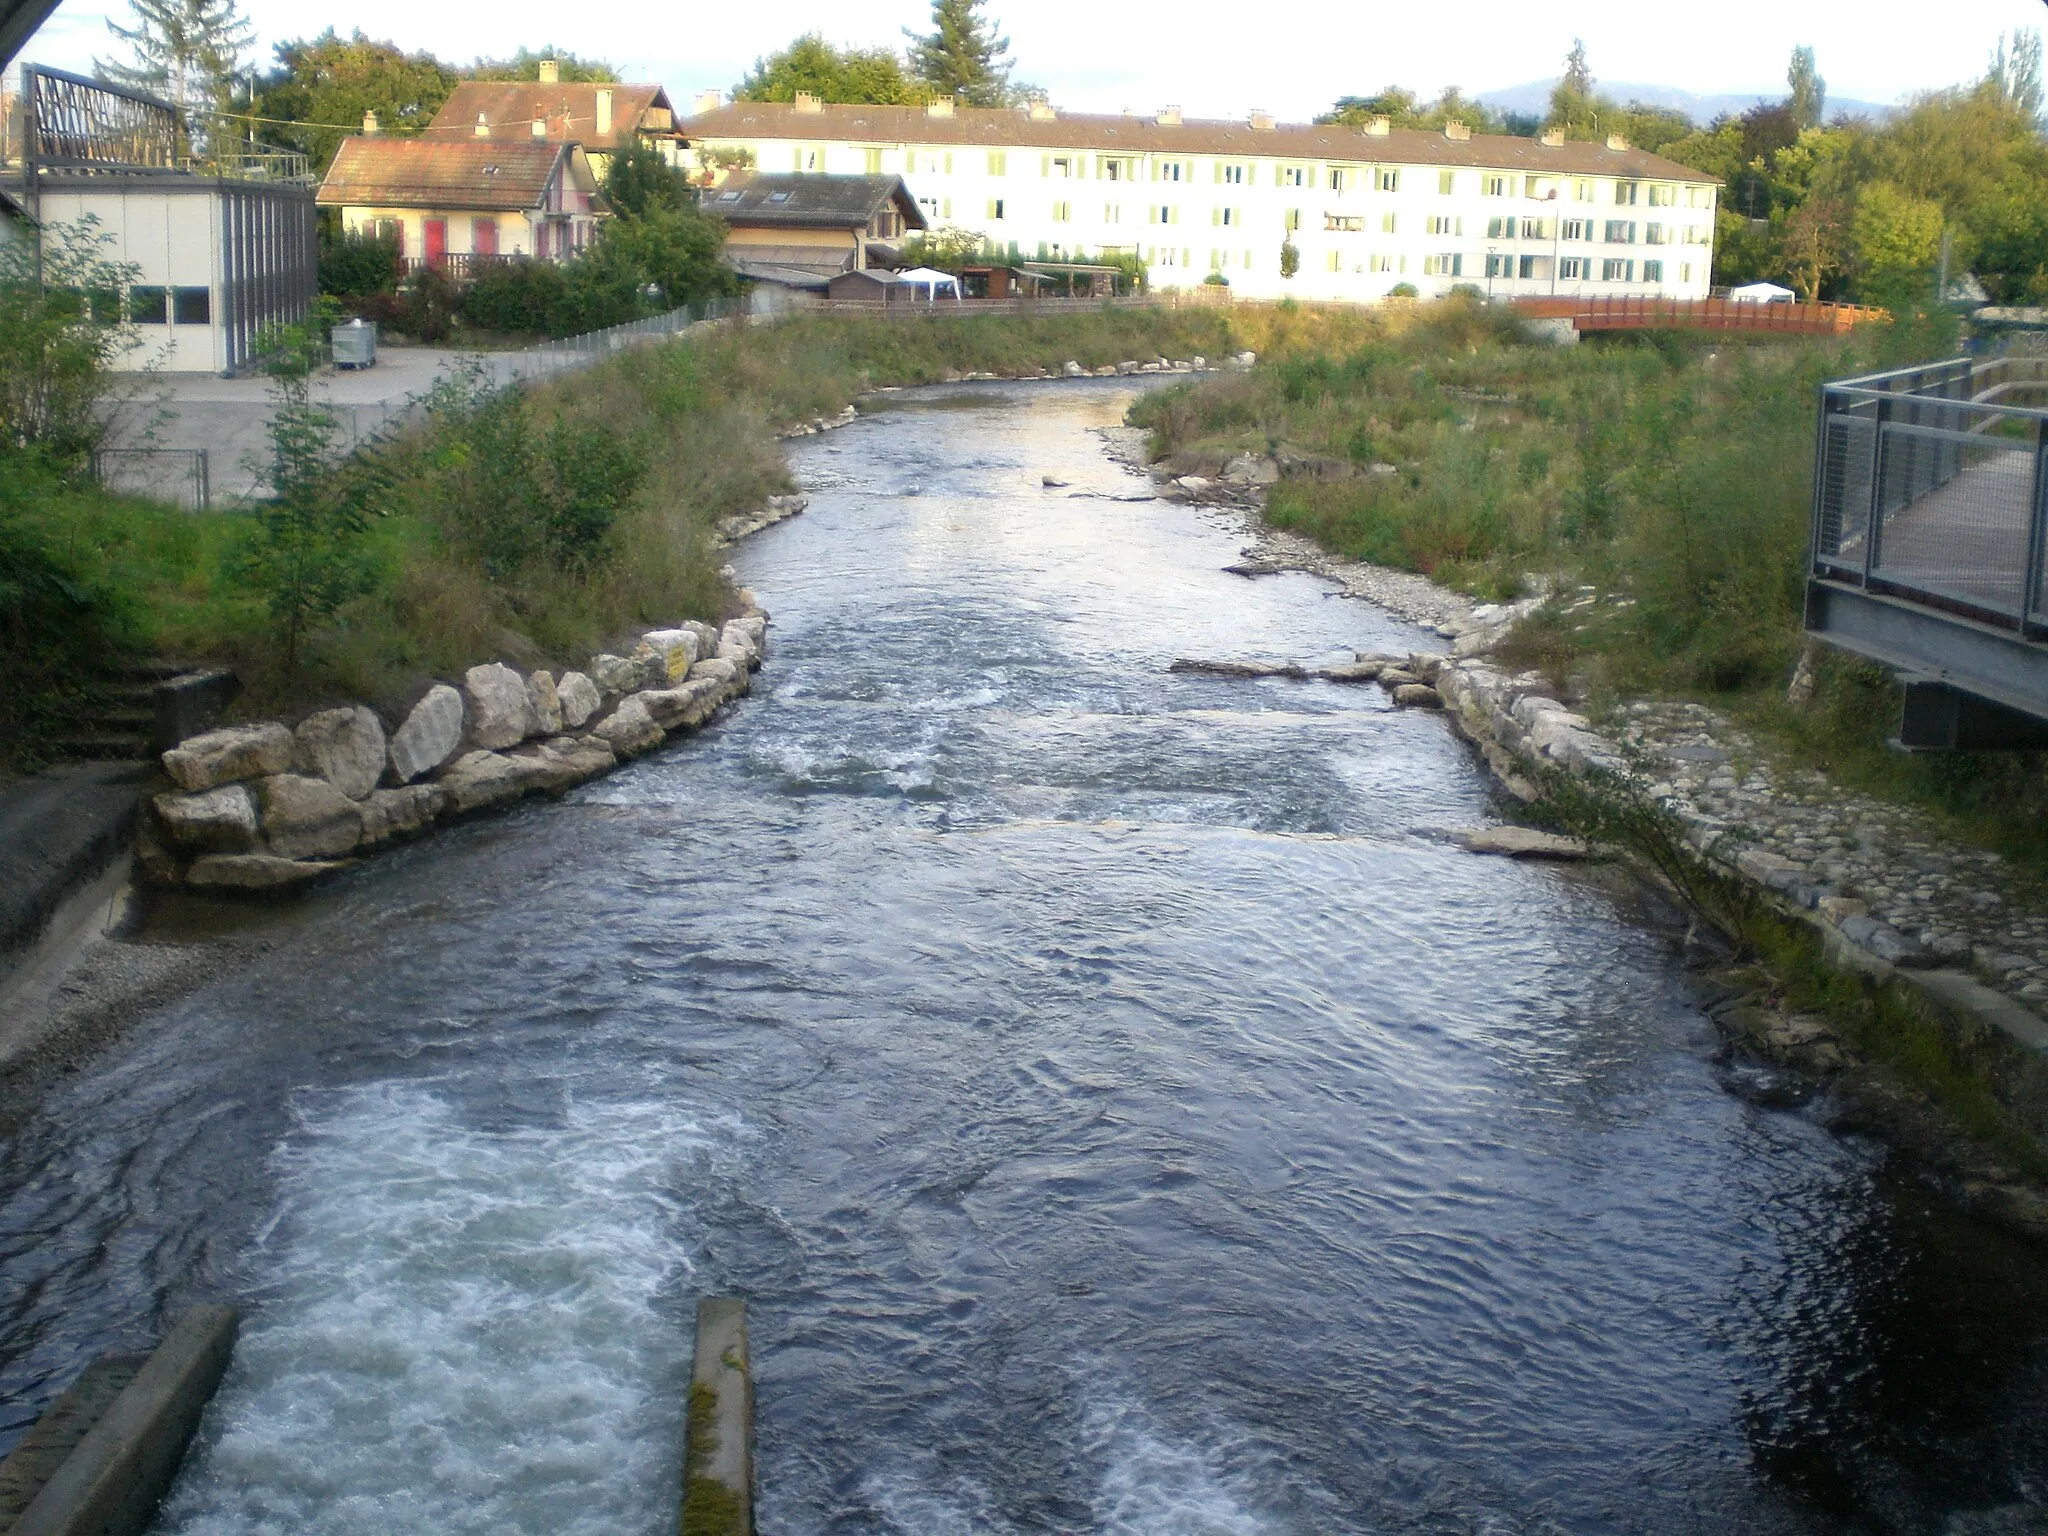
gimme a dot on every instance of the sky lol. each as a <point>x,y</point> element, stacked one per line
<point>1289,57</point>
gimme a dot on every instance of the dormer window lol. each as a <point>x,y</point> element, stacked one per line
<point>778,197</point>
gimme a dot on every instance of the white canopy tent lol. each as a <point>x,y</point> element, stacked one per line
<point>1761,293</point>
<point>930,281</point>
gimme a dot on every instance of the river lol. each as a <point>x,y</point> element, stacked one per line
<point>1121,1108</point>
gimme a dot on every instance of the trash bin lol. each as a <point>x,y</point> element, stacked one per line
<point>355,344</point>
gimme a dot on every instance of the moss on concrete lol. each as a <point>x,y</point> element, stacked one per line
<point>709,1507</point>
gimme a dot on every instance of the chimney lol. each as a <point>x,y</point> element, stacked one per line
<point>1169,117</point>
<point>708,101</point>
<point>806,102</point>
<point>939,106</point>
<point>370,123</point>
<point>1380,127</point>
<point>540,125</point>
<point>1616,141</point>
<point>1042,112</point>
<point>483,126</point>
<point>1261,120</point>
<point>550,71</point>
<point>1457,132</point>
<point>604,113</point>
<point>1553,138</point>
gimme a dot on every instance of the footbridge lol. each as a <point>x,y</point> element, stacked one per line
<point>1625,312</point>
<point>1930,507</point>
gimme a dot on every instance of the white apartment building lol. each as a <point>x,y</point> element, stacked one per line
<point>1364,208</point>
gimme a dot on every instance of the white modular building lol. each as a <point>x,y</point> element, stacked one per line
<point>1353,211</point>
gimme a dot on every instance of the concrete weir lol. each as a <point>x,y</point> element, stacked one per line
<point>99,1460</point>
<point>718,1452</point>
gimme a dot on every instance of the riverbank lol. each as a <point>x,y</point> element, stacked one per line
<point>1893,973</point>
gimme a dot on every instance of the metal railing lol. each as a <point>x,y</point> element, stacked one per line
<point>576,351</point>
<point>183,477</point>
<point>1929,486</point>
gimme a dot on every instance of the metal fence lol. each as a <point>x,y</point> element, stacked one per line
<point>181,477</point>
<point>1928,486</point>
<point>579,351</point>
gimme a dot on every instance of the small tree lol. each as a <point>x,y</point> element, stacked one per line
<point>1811,241</point>
<point>1290,258</point>
<point>810,64</point>
<point>59,338</point>
<point>963,55</point>
<point>306,549</point>
<point>640,180</point>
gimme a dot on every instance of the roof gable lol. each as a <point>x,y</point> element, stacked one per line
<point>418,173</point>
<point>510,108</point>
<point>1000,128</point>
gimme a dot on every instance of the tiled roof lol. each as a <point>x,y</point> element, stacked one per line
<point>1000,128</point>
<point>810,201</point>
<point>569,108</point>
<point>420,173</point>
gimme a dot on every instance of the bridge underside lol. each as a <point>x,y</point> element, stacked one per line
<point>1968,684</point>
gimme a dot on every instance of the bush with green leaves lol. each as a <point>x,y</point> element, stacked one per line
<point>61,329</point>
<point>355,265</point>
<point>515,297</point>
<point>306,552</point>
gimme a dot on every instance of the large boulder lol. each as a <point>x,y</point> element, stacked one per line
<point>676,708</point>
<point>219,820</point>
<point>579,699</point>
<point>545,702</point>
<point>430,736</point>
<point>730,676</point>
<point>477,779</point>
<point>735,644</point>
<point>308,818</point>
<point>254,871</point>
<point>671,651</point>
<point>390,813</point>
<point>630,729</point>
<point>343,746</point>
<point>620,674</point>
<point>707,637</point>
<point>233,752</point>
<point>500,714</point>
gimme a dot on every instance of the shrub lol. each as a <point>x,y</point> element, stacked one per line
<point>431,300</point>
<point>516,296</point>
<point>60,331</point>
<point>355,265</point>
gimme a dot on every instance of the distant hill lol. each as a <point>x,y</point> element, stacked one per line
<point>1535,97</point>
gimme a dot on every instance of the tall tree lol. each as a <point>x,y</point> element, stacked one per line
<point>1809,97</point>
<point>812,65</point>
<point>963,56</point>
<point>183,50</point>
<point>1573,106</point>
<point>323,86</point>
<point>2016,70</point>
<point>526,63</point>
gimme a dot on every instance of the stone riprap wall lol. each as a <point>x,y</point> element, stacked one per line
<point>263,805</point>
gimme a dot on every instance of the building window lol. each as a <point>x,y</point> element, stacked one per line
<point>1542,189</point>
<point>1231,175</point>
<point>1617,270</point>
<point>1446,224</point>
<point>1062,213</point>
<point>995,208</point>
<point>1110,168</point>
<point>1169,170</point>
<point>1336,179</point>
<point>1578,229</point>
<point>1112,213</point>
<point>1572,269</point>
<point>1500,266</point>
<point>192,306</point>
<point>1386,263</point>
<point>1625,193</point>
<point>1501,228</point>
<point>1061,166</point>
<point>1537,267</point>
<point>1443,266</point>
<point>483,236</point>
<point>1336,262</point>
<point>389,229</point>
<point>1653,271</point>
<point>1582,190</point>
<point>1387,179</point>
<point>1293,220</point>
<point>810,157</point>
<point>149,306</point>
<point>874,159</point>
<point>1663,195</point>
<point>1685,271</point>
<point>1446,182</point>
<point>1164,213</point>
<point>1295,176</point>
<point>1226,217</point>
<point>1345,223</point>
<point>1699,197</point>
<point>1621,232</point>
<point>998,163</point>
<point>1494,185</point>
<point>1389,222</point>
<point>1537,229</point>
<point>1653,234</point>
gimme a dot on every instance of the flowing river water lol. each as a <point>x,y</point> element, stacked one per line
<point>1122,1110</point>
